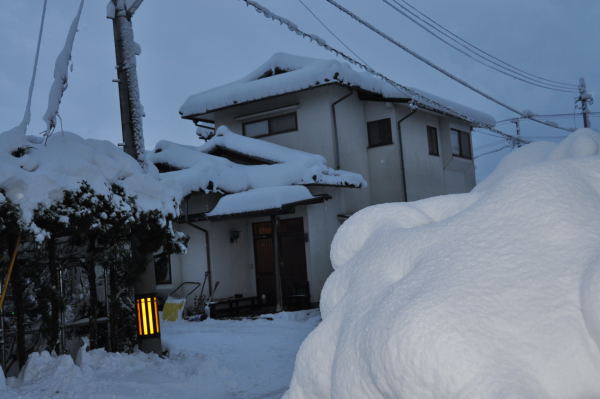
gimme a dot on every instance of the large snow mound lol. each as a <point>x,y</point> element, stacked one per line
<point>34,171</point>
<point>490,294</point>
<point>286,73</point>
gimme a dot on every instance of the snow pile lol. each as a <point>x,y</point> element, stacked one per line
<point>200,171</point>
<point>285,73</point>
<point>33,172</point>
<point>490,294</point>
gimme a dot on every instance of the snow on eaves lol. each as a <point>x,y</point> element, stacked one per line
<point>260,199</point>
<point>198,170</point>
<point>302,73</point>
<point>258,149</point>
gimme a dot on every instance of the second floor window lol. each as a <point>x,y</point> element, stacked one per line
<point>273,125</point>
<point>380,132</point>
<point>461,144</point>
<point>432,140</point>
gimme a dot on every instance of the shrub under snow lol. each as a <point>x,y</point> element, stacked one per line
<point>490,294</point>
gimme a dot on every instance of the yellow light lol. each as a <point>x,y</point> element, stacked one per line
<point>156,316</point>
<point>144,318</point>
<point>139,318</point>
<point>150,315</point>
<point>147,314</point>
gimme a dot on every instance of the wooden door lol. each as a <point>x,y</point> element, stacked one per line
<point>263,260</point>
<point>292,260</point>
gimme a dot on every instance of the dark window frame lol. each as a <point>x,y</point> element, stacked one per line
<point>269,124</point>
<point>465,145</point>
<point>387,140</point>
<point>169,266</point>
<point>433,143</point>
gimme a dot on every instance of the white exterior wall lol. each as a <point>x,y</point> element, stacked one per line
<point>232,264</point>
<point>385,167</point>
<point>323,222</point>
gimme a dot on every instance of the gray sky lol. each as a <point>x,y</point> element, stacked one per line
<point>193,45</point>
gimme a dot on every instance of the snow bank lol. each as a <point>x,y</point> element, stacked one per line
<point>301,73</point>
<point>491,294</point>
<point>201,171</point>
<point>33,172</point>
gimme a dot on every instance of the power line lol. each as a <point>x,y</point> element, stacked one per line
<point>477,57</point>
<point>492,151</point>
<point>511,70</point>
<point>416,97</point>
<point>440,69</point>
<point>315,16</point>
<point>565,115</point>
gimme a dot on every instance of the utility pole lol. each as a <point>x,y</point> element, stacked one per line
<point>126,50</point>
<point>585,99</point>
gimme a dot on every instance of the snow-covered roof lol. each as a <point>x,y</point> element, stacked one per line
<point>285,73</point>
<point>196,169</point>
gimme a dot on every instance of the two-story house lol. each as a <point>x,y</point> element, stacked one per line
<point>406,146</point>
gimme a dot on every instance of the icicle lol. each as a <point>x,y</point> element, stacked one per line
<point>61,69</point>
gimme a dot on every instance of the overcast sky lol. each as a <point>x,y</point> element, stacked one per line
<point>193,45</point>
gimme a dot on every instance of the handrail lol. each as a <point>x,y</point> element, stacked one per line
<point>10,269</point>
<point>184,283</point>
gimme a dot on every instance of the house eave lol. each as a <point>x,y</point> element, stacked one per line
<point>202,117</point>
<point>284,209</point>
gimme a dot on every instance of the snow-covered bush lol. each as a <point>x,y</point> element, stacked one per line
<point>490,294</point>
<point>78,206</point>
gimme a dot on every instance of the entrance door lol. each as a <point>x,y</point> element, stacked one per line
<point>292,260</point>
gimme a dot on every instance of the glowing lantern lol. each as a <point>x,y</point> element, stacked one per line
<point>147,316</point>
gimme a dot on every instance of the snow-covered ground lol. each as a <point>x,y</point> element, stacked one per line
<point>214,359</point>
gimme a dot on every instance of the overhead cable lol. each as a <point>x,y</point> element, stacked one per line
<point>440,69</point>
<point>320,21</point>
<point>22,127</point>
<point>424,18</point>
<point>475,55</point>
<point>492,151</point>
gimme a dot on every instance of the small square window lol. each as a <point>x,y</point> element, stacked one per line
<point>461,144</point>
<point>432,140</point>
<point>380,132</point>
